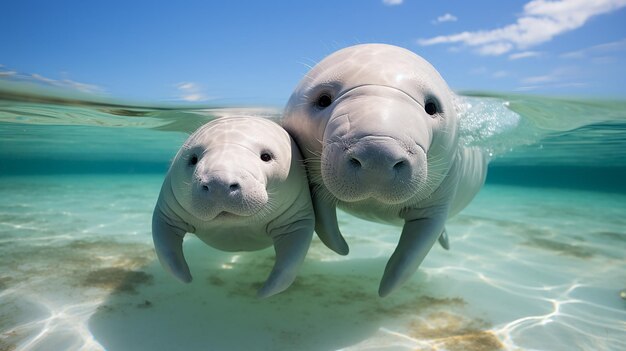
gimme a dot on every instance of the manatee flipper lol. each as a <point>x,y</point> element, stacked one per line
<point>417,238</point>
<point>168,243</point>
<point>443,240</point>
<point>326,225</point>
<point>291,248</point>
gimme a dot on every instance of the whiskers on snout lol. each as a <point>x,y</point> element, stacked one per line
<point>219,200</point>
<point>388,171</point>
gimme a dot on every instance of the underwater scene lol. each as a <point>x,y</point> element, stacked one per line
<point>537,260</point>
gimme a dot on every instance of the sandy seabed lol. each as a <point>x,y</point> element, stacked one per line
<point>529,269</point>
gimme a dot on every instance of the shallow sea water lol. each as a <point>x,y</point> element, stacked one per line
<point>537,260</point>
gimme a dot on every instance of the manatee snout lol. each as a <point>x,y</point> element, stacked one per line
<point>382,168</point>
<point>380,159</point>
<point>220,186</point>
<point>232,191</point>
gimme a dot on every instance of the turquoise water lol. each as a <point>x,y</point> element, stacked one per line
<point>537,261</point>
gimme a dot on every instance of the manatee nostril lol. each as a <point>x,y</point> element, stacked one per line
<point>205,187</point>
<point>234,187</point>
<point>399,165</point>
<point>355,163</point>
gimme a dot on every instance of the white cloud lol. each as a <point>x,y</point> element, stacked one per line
<point>190,92</point>
<point>552,86</point>
<point>495,49</point>
<point>540,22</point>
<point>557,75</point>
<point>67,83</point>
<point>448,17</point>
<point>4,73</point>
<point>524,54</point>
<point>478,70</point>
<point>500,74</point>
<point>393,2</point>
<point>188,86</point>
<point>483,71</point>
<point>574,54</point>
<point>602,49</point>
<point>604,60</point>
<point>87,88</point>
<point>539,79</point>
<point>64,83</point>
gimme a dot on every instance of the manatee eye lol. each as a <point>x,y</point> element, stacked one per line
<point>431,108</point>
<point>193,160</point>
<point>324,101</point>
<point>265,157</point>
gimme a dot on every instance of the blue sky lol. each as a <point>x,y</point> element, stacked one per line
<point>257,51</point>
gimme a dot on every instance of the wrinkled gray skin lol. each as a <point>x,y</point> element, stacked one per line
<point>373,149</point>
<point>219,188</point>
